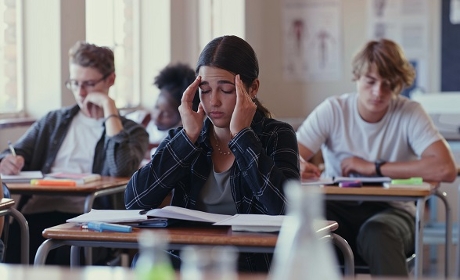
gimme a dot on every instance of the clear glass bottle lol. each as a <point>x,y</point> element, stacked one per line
<point>153,262</point>
<point>203,263</point>
<point>300,253</point>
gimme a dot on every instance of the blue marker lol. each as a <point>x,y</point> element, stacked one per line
<point>98,226</point>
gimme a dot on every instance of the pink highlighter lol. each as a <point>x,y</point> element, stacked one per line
<point>350,184</point>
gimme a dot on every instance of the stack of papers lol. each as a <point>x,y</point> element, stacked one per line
<point>238,222</point>
<point>78,178</point>
<point>336,180</point>
<point>22,177</point>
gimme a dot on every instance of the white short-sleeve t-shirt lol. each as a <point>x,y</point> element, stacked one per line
<point>336,127</point>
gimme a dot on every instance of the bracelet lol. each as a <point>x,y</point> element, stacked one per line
<point>110,116</point>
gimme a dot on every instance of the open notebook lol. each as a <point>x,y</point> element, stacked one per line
<point>162,217</point>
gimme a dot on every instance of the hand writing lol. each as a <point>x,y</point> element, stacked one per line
<point>309,170</point>
<point>11,165</point>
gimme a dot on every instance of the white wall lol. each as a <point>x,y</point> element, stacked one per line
<point>290,99</point>
<point>52,26</point>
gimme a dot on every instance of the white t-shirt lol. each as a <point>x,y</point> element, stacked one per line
<point>336,127</point>
<point>75,155</point>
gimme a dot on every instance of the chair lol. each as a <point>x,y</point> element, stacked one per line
<point>6,226</point>
<point>364,269</point>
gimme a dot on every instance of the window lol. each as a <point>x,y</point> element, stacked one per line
<point>11,74</point>
<point>115,24</point>
<point>221,17</point>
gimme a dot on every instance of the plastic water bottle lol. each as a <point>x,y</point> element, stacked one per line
<point>300,253</point>
<point>153,262</point>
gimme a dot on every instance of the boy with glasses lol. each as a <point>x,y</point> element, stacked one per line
<point>89,137</point>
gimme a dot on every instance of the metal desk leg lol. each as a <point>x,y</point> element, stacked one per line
<point>24,234</point>
<point>74,256</point>
<point>349,261</point>
<point>419,224</point>
<point>448,236</point>
<point>88,203</point>
<point>44,249</point>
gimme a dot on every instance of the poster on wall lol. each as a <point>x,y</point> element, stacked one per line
<point>312,41</point>
<point>407,23</point>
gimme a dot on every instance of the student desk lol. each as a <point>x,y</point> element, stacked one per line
<point>105,186</point>
<point>378,193</point>
<point>6,208</point>
<point>178,237</point>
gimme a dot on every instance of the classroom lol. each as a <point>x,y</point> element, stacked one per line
<point>148,35</point>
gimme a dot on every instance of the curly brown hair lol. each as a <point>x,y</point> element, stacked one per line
<point>90,55</point>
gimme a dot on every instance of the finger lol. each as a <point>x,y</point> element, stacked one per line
<point>10,166</point>
<point>201,112</point>
<point>241,90</point>
<point>190,91</point>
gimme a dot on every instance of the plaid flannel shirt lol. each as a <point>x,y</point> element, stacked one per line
<point>266,156</point>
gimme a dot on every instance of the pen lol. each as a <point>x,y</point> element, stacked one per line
<point>410,181</point>
<point>57,182</point>
<point>13,152</point>
<point>350,184</point>
<point>98,226</point>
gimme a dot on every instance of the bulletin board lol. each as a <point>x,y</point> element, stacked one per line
<point>450,51</point>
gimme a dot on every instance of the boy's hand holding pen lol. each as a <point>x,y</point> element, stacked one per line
<point>13,163</point>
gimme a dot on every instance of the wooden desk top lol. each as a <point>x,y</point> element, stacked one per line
<point>105,183</point>
<point>6,203</point>
<point>208,235</point>
<point>379,191</point>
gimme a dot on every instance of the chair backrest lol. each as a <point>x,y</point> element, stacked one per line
<point>6,225</point>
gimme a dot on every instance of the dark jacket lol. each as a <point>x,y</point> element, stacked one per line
<point>119,155</point>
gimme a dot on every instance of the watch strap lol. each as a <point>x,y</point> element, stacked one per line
<point>378,165</point>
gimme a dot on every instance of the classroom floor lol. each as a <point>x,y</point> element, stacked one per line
<point>432,269</point>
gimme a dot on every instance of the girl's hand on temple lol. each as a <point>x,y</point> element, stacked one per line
<point>191,121</point>
<point>245,108</point>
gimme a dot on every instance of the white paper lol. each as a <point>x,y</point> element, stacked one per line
<point>455,11</point>
<point>312,40</point>
<point>174,212</point>
<point>253,222</point>
<point>109,216</point>
<point>330,181</point>
<point>407,23</point>
<point>22,177</point>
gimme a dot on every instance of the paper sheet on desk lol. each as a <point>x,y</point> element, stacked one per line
<point>335,180</point>
<point>253,222</point>
<point>109,216</point>
<point>22,177</point>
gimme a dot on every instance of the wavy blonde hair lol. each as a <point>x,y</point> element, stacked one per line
<point>390,61</point>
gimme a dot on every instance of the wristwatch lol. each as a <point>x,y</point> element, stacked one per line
<point>379,164</point>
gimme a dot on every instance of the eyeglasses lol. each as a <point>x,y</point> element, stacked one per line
<point>74,85</point>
